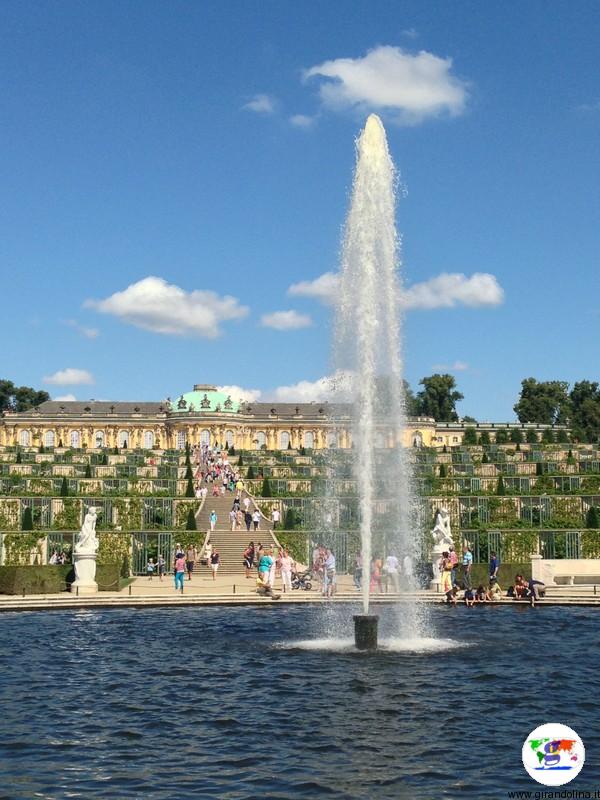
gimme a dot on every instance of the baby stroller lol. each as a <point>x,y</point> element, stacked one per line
<point>302,580</point>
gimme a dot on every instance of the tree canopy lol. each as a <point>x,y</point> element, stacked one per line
<point>438,398</point>
<point>20,398</point>
<point>546,402</point>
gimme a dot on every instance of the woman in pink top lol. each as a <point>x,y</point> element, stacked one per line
<point>179,572</point>
<point>287,564</point>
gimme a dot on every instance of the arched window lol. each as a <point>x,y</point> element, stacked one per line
<point>75,439</point>
<point>309,440</point>
<point>123,439</point>
<point>49,439</point>
<point>379,439</point>
<point>24,438</point>
<point>181,440</point>
<point>99,439</point>
<point>148,440</point>
<point>261,440</point>
<point>228,439</point>
<point>332,439</point>
<point>284,440</point>
<point>418,439</point>
<point>205,437</point>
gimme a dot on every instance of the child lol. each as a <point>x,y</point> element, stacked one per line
<point>162,567</point>
<point>480,595</point>
<point>150,568</point>
<point>494,592</point>
<point>469,598</point>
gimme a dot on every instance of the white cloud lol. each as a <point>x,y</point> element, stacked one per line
<point>67,397</point>
<point>446,290</point>
<point>69,377</point>
<point>89,333</point>
<point>161,307</point>
<point>285,320</point>
<point>586,107</point>
<point>238,393</point>
<point>410,87</point>
<point>457,366</point>
<point>454,289</point>
<point>328,387</point>
<point>410,33</point>
<point>261,104</point>
<point>324,288</point>
<point>302,121</point>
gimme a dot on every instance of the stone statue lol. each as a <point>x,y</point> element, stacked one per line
<point>87,541</point>
<point>442,541</point>
<point>84,556</point>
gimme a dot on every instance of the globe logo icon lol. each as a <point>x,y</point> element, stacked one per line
<point>553,754</point>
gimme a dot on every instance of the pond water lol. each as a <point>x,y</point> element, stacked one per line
<point>237,703</point>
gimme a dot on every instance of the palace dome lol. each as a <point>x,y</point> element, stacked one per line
<point>203,399</point>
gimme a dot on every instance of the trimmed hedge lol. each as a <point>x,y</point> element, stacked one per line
<point>53,578</point>
<point>506,574</point>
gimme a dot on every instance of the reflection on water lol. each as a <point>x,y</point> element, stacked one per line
<point>206,702</point>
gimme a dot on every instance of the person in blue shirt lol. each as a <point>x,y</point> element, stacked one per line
<point>467,564</point>
<point>494,565</point>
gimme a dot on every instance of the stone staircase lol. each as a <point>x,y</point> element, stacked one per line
<point>231,544</point>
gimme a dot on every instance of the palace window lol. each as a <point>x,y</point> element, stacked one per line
<point>75,439</point>
<point>309,440</point>
<point>228,439</point>
<point>181,438</point>
<point>24,438</point>
<point>148,440</point>
<point>205,436</point>
<point>284,440</point>
<point>49,439</point>
<point>99,439</point>
<point>332,439</point>
<point>261,440</point>
<point>123,439</point>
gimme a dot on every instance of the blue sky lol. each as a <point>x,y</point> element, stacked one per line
<point>211,145</point>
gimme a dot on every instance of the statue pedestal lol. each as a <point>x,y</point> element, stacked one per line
<point>435,584</point>
<point>85,574</point>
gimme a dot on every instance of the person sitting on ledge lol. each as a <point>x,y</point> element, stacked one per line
<point>481,594</point>
<point>469,598</point>
<point>494,591</point>
<point>451,596</point>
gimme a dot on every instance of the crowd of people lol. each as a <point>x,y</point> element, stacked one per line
<point>489,592</point>
<point>58,558</point>
<point>213,473</point>
<point>385,575</point>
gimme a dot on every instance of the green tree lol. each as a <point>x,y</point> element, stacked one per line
<point>484,438</point>
<point>189,489</point>
<point>27,520</point>
<point>585,411</point>
<point>231,450</point>
<point>548,436</point>
<point>485,459</point>
<point>42,449</point>
<point>443,471</point>
<point>470,436</point>
<point>250,473</point>
<point>468,420</point>
<point>438,398</point>
<point>562,437</point>
<point>500,489</point>
<point>64,487</point>
<point>592,518</point>
<point>19,458</point>
<point>444,449</point>
<point>104,461</point>
<point>266,488</point>
<point>502,436</point>
<point>546,402</point>
<point>190,524</point>
<point>88,471</point>
<point>290,519</point>
<point>189,473</point>
<point>20,398</point>
<point>531,436</point>
<point>570,457</point>
<point>539,468</point>
<point>240,461</point>
<point>516,436</point>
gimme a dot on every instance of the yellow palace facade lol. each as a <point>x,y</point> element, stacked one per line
<point>208,416</point>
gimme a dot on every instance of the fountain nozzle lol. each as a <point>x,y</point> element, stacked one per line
<point>365,631</point>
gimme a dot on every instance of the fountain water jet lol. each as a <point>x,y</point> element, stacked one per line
<point>367,344</point>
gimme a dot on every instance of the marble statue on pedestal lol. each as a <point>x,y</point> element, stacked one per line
<point>84,556</point>
<point>442,541</point>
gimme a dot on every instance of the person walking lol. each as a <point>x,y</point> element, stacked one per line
<point>329,575</point>
<point>208,553</point>
<point>214,563</point>
<point>233,519</point>
<point>256,519</point>
<point>287,564</point>
<point>213,519</point>
<point>467,564</point>
<point>494,566</point>
<point>190,560</point>
<point>150,567</point>
<point>249,559</point>
<point>248,519</point>
<point>454,561</point>
<point>179,572</point>
<point>275,517</point>
<point>162,566</point>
